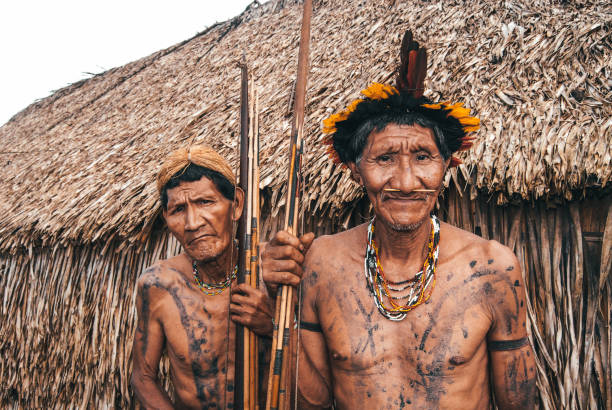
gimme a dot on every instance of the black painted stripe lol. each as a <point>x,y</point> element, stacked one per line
<point>313,327</point>
<point>502,345</point>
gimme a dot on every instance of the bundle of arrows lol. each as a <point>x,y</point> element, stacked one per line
<point>279,387</point>
<point>247,343</point>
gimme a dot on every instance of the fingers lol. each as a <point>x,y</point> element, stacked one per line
<point>285,238</point>
<point>281,278</point>
<point>263,326</point>
<point>254,311</point>
<point>245,310</point>
<point>283,257</point>
<point>242,288</point>
<point>306,241</point>
<point>283,252</point>
<point>245,297</point>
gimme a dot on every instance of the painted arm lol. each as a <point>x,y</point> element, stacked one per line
<point>315,389</point>
<point>512,360</point>
<point>148,346</point>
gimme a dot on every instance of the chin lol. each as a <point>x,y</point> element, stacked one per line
<point>403,223</point>
<point>397,227</point>
<point>205,252</point>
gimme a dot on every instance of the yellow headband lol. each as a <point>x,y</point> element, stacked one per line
<point>201,155</point>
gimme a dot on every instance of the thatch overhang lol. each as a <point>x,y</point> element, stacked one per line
<point>79,165</point>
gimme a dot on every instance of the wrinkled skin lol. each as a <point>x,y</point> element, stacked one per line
<point>441,354</point>
<point>175,315</point>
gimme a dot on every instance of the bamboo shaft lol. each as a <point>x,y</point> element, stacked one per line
<point>279,365</point>
<point>248,334</point>
<point>241,343</point>
<point>246,378</point>
<point>254,251</point>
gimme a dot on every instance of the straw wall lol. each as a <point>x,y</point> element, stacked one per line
<point>67,317</point>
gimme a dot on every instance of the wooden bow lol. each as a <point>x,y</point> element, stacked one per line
<point>247,347</point>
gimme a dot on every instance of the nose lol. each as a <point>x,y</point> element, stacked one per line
<point>192,221</point>
<point>403,177</point>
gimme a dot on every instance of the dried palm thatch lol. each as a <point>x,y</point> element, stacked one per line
<point>79,214</point>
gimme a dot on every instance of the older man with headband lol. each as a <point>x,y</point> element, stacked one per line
<point>183,303</point>
<point>406,311</point>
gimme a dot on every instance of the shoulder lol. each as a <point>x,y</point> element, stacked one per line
<point>457,244</point>
<point>331,255</point>
<point>326,244</point>
<point>161,275</point>
<point>328,251</point>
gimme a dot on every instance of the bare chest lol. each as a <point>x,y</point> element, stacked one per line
<point>437,339</point>
<point>197,333</point>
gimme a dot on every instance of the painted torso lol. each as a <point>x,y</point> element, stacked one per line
<point>437,356</point>
<point>196,331</point>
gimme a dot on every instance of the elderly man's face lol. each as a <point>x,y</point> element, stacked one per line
<point>201,218</point>
<point>404,158</point>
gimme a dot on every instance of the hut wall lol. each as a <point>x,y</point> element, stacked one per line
<point>67,323</point>
<point>67,316</point>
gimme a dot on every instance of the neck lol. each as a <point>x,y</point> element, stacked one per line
<point>402,253</point>
<point>216,270</point>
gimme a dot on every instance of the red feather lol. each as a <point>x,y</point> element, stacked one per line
<point>413,66</point>
<point>454,162</point>
<point>412,63</point>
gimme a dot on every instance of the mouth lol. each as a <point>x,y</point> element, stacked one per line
<point>404,198</point>
<point>198,238</point>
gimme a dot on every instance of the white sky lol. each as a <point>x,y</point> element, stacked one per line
<point>48,44</point>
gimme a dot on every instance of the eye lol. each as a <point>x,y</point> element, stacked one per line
<point>421,156</point>
<point>203,201</point>
<point>384,158</point>
<point>177,209</point>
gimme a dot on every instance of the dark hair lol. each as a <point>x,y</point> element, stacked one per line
<point>195,172</point>
<point>370,115</point>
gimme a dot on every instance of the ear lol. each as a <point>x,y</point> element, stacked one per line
<point>238,204</point>
<point>355,174</point>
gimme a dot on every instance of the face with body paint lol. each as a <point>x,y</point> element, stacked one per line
<point>397,166</point>
<point>201,218</point>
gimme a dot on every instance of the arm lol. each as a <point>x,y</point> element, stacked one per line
<point>147,349</point>
<point>315,389</point>
<point>282,260</point>
<point>512,359</point>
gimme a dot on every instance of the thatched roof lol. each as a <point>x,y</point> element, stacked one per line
<point>80,164</point>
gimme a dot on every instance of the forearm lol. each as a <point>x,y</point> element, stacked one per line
<point>149,393</point>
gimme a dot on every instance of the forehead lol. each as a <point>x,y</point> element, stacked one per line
<point>192,189</point>
<point>398,134</point>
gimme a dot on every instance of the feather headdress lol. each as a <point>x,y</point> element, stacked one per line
<point>380,100</point>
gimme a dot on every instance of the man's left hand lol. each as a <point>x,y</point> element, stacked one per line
<point>252,308</point>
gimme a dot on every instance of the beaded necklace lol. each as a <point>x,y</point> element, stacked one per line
<point>415,291</point>
<point>216,288</point>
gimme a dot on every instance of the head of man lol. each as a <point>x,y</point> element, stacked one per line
<point>398,148</point>
<point>200,201</point>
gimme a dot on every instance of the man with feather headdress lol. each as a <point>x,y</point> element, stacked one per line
<point>407,311</point>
